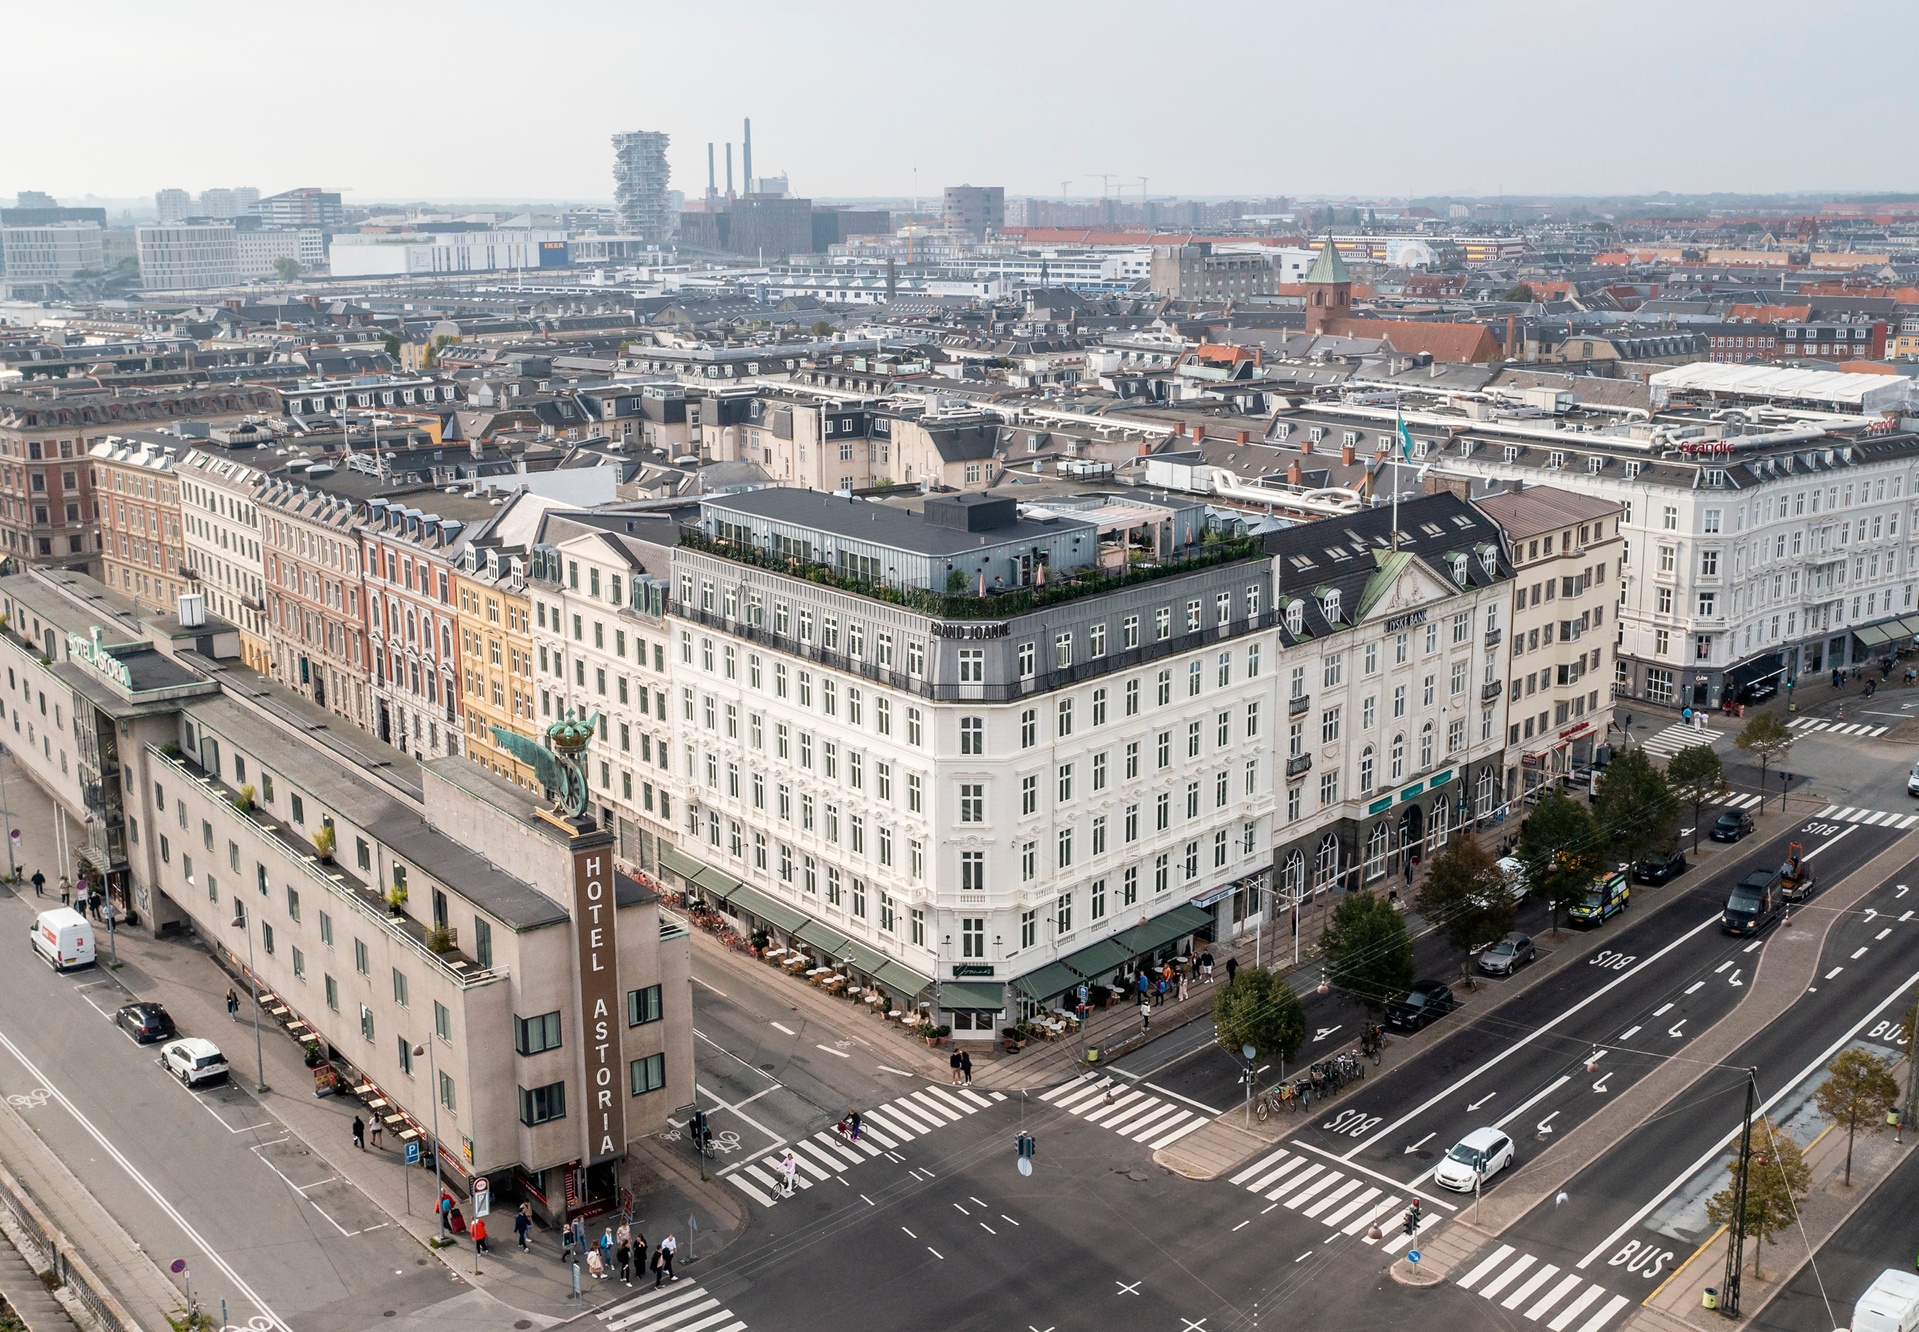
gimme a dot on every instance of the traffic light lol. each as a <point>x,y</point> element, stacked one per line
<point>1411,1224</point>
<point>1023,1145</point>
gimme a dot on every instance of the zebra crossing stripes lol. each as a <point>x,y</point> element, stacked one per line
<point>1742,802</point>
<point>1678,736</point>
<point>1865,730</point>
<point>675,1308</point>
<point>826,1153</point>
<point>1127,1110</point>
<point>1534,1290</point>
<point>1871,818</point>
<point>1338,1201</point>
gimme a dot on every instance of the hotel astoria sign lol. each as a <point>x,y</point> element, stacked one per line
<point>600,1017</point>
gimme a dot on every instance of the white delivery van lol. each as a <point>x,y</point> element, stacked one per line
<point>1890,1304</point>
<point>63,937</point>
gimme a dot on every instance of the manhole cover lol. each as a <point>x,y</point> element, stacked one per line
<point>419,1262</point>
<point>766,1068</point>
<point>523,1325</point>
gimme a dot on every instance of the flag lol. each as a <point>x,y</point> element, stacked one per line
<point>1405,437</point>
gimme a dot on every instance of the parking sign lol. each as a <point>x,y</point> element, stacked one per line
<point>413,1153</point>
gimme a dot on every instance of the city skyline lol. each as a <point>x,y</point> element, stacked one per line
<point>1390,102</point>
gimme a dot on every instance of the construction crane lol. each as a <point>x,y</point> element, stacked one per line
<point>1106,179</point>
<point>1064,192</point>
<point>1142,189</point>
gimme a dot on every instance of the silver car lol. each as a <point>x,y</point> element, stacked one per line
<point>1507,956</point>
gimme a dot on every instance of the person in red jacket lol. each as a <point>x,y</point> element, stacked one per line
<point>478,1229</point>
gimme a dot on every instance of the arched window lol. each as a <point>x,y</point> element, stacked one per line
<point>1488,788</point>
<point>1399,757</point>
<point>1366,770</point>
<point>1459,570</point>
<point>1377,842</point>
<point>1326,864</point>
<point>1489,560</point>
<point>1439,831</point>
<point>1295,879</point>
<point>1330,604</point>
<point>1295,617</point>
<point>1426,745</point>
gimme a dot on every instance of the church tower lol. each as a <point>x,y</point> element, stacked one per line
<point>1329,289</point>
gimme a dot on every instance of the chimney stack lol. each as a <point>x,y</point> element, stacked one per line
<point>1245,437</point>
<point>1199,431</point>
<point>711,182</point>
<point>729,171</point>
<point>1346,454</point>
<point>1306,444</point>
<point>1292,472</point>
<point>746,157</point>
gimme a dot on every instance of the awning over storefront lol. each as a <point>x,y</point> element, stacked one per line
<point>973,994</point>
<point>774,913</point>
<point>862,959</point>
<point>823,937</point>
<point>1875,634</point>
<point>1049,980</point>
<point>1097,960</point>
<point>1163,930</point>
<point>904,979</point>
<point>683,865</point>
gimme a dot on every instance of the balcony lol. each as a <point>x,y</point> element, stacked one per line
<point>1298,765</point>
<point>1493,637</point>
<point>1298,703</point>
<point>1491,690</point>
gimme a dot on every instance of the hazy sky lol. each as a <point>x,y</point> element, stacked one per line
<point>403,100</point>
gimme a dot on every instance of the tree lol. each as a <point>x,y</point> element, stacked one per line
<point>1766,736</point>
<point>1777,1179</point>
<point>391,341</point>
<point>1369,952</point>
<point>1562,850</point>
<point>1259,1009</point>
<point>1696,776</point>
<point>1635,806</point>
<point>1466,896</point>
<point>1859,1093</point>
<point>287,267</point>
<point>1519,291</point>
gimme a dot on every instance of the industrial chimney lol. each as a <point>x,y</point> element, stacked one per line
<point>729,171</point>
<point>746,157</point>
<point>712,190</point>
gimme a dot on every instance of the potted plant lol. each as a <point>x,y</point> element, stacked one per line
<point>324,841</point>
<point>315,1055</point>
<point>440,938</point>
<point>1013,1038</point>
<point>243,800</point>
<point>396,898</point>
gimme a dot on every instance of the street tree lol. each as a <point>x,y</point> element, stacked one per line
<point>1368,950</point>
<point>1519,291</point>
<point>1858,1093</point>
<point>1259,1009</point>
<point>1562,849</point>
<point>287,267</point>
<point>1466,896</point>
<point>1768,739</point>
<point>1695,777</point>
<point>1635,807</point>
<point>1777,1181</point>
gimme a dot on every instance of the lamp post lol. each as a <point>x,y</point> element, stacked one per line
<point>439,1171</point>
<point>6,814</point>
<point>1251,1054</point>
<point>253,980</point>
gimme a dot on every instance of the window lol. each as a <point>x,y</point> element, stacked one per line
<point>332,994</point>
<point>972,735</point>
<point>361,963</point>
<point>973,871</point>
<point>972,936</point>
<point>447,1097</point>
<point>536,1035</point>
<point>400,988</point>
<point>366,1022</point>
<point>442,1021</point>
<point>538,1105</point>
<point>648,1074</point>
<point>972,801</point>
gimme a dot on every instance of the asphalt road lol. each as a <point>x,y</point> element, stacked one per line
<point>1883,1233</point>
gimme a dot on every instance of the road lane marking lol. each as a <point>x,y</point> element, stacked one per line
<point>1198,1105</point>
<point>1696,986</point>
<point>830,1050</point>
<point>781,1026</point>
<point>1662,1010</point>
<point>936,1253</point>
<point>1371,1173</point>
<point>1720,969</point>
<point>1242,1225</point>
<point>1883,933</point>
<point>1628,1033</point>
<point>1905,987</point>
<point>1858,953</point>
<point>1528,1104</point>
<point>709,985</point>
<point>1752,947</point>
<point>885,1069</point>
<point>909,1234</point>
<point>1500,1255</point>
<point>1834,972</point>
<point>1007,1219</point>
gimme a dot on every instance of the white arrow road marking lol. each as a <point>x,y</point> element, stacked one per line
<point>1532,1100</point>
<point>1546,1124</point>
<point>1901,892</point>
<point>1870,913</point>
<point>1421,1143</point>
<point>1675,1031</point>
<point>1600,1086</point>
<point>1324,1032</point>
<point>1482,1100</point>
<point>1734,979</point>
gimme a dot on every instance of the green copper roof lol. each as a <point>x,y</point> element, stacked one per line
<point>1329,267</point>
<point>1391,563</point>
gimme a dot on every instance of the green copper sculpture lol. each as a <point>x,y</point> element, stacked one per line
<point>559,763</point>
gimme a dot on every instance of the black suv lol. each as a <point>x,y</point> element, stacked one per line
<point>1662,868</point>
<point>1425,1002</point>
<point>1731,825</point>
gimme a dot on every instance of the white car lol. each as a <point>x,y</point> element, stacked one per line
<point>1912,780</point>
<point>1513,870</point>
<point>193,1059</point>
<point>1479,1156</point>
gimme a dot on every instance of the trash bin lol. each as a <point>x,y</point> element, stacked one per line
<point>1092,1054</point>
<point>1711,1299</point>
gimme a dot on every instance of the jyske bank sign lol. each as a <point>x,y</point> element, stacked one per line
<point>598,951</point>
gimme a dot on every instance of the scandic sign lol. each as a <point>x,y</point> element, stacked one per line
<point>593,921</point>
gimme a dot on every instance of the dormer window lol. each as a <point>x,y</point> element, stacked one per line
<point>1295,618</point>
<point>1555,459</point>
<point>1459,570</point>
<point>1489,561</point>
<point>1330,605</point>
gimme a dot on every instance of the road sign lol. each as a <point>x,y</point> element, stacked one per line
<point>413,1153</point>
<point>1412,1255</point>
<point>482,1198</point>
<point>177,1266</point>
<point>14,833</point>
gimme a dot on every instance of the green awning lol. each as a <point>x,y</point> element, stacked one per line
<point>1162,930</point>
<point>1101,957</point>
<point>904,979</point>
<point>964,994</point>
<point>717,882</point>
<point>683,865</point>
<point>1049,980</point>
<point>1910,625</point>
<point>1875,634</point>
<point>823,937</point>
<point>774,913</point>
<point>861,959</point>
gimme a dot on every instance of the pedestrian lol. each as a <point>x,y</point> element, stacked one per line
<point>1232,969</point>
<point>66,892</point>
<point>625,1254</point>
<point>1182,985</point>
<point>523,1226</point>
<point>478,1231</point>
<point>659,1266</point>
<point>1206,965</point>
<point>624,1235</point>
<point>359,1133</point>
<point>1145,1015</point>
<point>579,1233</point>
<point>606,1253</point>
<point>233,1005</point>
<point>566,1241</point>
<point>376,1128</point>
<point>966,1068</point>
<point>1410,862</point>
<point>670,1246</point>
<point>1143,983</point>
<point>39,883</point>
<point>446,1212</point>
<point>789,1174</point>
<point>954,1064</point>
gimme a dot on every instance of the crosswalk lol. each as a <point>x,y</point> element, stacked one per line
<point>1314,1188</point>
<point>1535,1291</point>
<point>1678,736</point>
<point>679,1307</point>
<point>1742,802</point>
<point>1129,1111</point>
<point>827,1153</point>
<point>1872,818</point>
<point>1862,729</point>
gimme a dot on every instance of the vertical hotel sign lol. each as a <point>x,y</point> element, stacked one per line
<point>600,1017</point>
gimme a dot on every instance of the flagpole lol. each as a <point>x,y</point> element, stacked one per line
<point>1399,448</point>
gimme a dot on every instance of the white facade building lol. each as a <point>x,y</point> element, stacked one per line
<point>188,256</point>
<point>35,257</point>
<point>405,253</point>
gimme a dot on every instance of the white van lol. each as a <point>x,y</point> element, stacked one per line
<point>63,937</point>
<point>1890,1305</point>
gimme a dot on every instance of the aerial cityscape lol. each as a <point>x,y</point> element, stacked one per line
<point>766,704</point>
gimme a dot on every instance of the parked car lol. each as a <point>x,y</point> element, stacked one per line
<point>1912,781</point>
<point>1731,825</point>
<point>1605,898</point>
<point>1425,1002</point>
<point>1662,868</point>
<point>193,1059</point>
<point>145,1022</point>
<point>1479,1156</point>
<point>1508,955</point>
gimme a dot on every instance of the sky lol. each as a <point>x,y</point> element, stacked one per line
<point>482,100</point>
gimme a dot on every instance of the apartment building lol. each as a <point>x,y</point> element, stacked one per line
<point>496,648</point>
<point>188,256</point>
<point>977,753</point>
<point>35,260</point>
<point>388,904</point>
<point>316,622</point>
<point>1566,550</point>
<point>220,532</point>
<point>141,545</point>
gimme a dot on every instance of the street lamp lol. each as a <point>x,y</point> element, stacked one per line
<point>253,979</point>
<point>439,1171</point>
<point>1250,1054</point>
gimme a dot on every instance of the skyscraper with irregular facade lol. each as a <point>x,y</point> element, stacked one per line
<point>640,174</point>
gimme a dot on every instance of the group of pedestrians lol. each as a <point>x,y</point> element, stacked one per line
<point>618,1254</point>
<point>1173,980</point>
<point>84,895</point>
